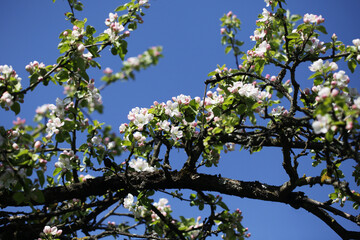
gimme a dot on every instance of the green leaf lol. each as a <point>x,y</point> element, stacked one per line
<point>41,177</point>
<point>223,205</point>
<point>56,171</point>
<point>16,108</point>
<point>315,75</point>
<point>19,197</point>
<point>120,8</point>
<point>321,29</point>
<point>228,49</point>
<point>293,36</point>
<point>352,65</point>
<point>37,196</point>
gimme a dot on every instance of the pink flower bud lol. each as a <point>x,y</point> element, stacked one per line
<point>334,92</point>
<point>108,71</point>
<point>81,48</point>
<point>349,125</point>
<point>222,30</point>
<point>65,33</point>
<point>15,146</point>
<point>37,145</point>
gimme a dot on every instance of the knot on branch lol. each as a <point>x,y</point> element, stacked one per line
<point>296,199</point>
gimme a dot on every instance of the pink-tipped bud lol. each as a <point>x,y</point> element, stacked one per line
<point>37,145</point>
<point>15,146</point>
<point>334,92</point>
<point>81,48</point>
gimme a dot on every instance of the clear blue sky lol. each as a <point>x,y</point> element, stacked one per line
<point>189,32</point>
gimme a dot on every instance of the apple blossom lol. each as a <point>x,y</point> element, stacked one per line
<point>123,127</point>
<point>172,109</point>
<point>311,18</point>
<point>324,92</point>
<point>140,165</point>
<point>258,35</point>
<point>7,98</point>
<point>176,133</point>
<point>322,124</point>
<point>342,79</point>
<point>164,125</point>
<point>320,66</point>
<point>357,102</point>
<point>266,16</point>
<point>314,45</point>
<point>37,145</point>
<point>96,140</point>
<point>262,49</point>
<point>356,43</point>
<point>81,48</point>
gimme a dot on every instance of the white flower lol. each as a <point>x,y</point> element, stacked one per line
<point>320,66</point>
<point>63,163</point>
<point>324,92</point>
<point>321,125</point>
<point>162,203</point>
<point>171,109</point>
<point>279,110</point>
<point>132,62</point>
<point>261,49</point>
<point>96,140</point>
<point>128,201</point>
<point>311,18</point>
<point>342,79</point>
<point>248,90</point>
<point>356,102</point>
<point>143,2</point>
<point>140,117</point>
<point>123,127</point>
<point>266,16</point>
<point>7,98</point>
<point>258,35</point>
<point>314,45</point>
<point>111,145</point>
<point>176,133</point>
<point>356,42</point>
<point>164,125</point>
<point>140,165</point>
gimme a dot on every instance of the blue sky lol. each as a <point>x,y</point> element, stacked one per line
<point>189,32</point>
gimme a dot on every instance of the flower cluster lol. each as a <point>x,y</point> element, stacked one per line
<point>162,207</point>
<point>140,165</point>
<point>314,45</point>
<point>266,16</point>
<point>51,231</point>
<point>311,18</point>
<point>34,66</point>
<point>64,161</point>
<point>260,50</point>
<point>140,117</point>
<point>114,27</point>
<point>10,82</point>
<point>320,66</point>
<point>7,73</point>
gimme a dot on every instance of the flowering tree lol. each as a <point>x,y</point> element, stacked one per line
<point>71,174</point>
